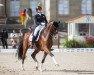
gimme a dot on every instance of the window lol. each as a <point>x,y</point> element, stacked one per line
<point>83,29</point>
<point>63,7</point>
<point>33,6</point>
<point>86,7</point>
<point>14,7</point>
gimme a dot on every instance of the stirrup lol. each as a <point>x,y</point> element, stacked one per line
<point>31,44</point>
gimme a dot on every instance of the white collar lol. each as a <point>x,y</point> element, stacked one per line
<point>39,13</point>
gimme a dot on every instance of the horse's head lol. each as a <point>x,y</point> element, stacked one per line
<point>52,27</point>
<point>55,26</point>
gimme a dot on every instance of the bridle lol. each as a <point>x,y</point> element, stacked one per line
<point>54,30</point>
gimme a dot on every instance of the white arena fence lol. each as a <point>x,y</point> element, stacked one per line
<point>55,50</point>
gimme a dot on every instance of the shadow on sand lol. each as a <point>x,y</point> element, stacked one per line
<point>71,71</point>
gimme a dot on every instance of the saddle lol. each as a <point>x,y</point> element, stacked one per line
<point>37,36</point>
<point>39,32</point>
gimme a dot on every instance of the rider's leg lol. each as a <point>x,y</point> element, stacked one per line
<point>41,28</point>
<point>37,29</point>
<point>35,34</point>
<point>33,40</point>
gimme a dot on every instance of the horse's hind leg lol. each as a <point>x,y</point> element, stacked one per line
<point>33,55</point>
<point>23,58</point>
<point>25,47</point>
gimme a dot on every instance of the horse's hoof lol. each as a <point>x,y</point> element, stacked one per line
<point>57,65</point>
<point>23,69</point>
<point>40,70</point>
<point>36,68</point>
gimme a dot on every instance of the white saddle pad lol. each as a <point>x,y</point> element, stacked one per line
<point>31,36</point>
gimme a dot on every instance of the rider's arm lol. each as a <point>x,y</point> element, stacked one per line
<point>45,19</point>
<point>35,19</point>
<point>37,23</point>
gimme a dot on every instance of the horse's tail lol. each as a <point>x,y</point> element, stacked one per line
<point>20,49</point>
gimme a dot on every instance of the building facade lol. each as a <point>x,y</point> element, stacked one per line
<point>12,8</point>
<point>54,9</point>
<point>66,9</point>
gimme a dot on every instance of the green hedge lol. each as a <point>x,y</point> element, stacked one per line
<point>76,44</point>
<point>72,44</point>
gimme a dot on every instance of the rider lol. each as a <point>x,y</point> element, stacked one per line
<point>41,22</point>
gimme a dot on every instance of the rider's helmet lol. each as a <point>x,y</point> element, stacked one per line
<point>39,8</point>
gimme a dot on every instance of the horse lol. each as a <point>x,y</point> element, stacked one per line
<point>44,43</point>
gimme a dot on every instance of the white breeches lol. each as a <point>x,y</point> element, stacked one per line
<point>38,28</point>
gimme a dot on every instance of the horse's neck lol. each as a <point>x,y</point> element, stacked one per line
<point>47,33</point>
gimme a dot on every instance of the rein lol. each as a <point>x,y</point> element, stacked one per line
<point>51,29</point>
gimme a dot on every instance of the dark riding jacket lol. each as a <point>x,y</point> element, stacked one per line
<point>39,18</point>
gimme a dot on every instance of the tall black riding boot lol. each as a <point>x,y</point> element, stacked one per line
<point>33,40</point>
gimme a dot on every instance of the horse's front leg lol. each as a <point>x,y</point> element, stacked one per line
<point>54,60</point>
<point>51,54</point>
<point>43,59</point>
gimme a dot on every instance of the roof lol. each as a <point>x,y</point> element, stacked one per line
<point>81,19</point>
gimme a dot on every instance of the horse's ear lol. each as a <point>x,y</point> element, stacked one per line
<point>51,22</point>
<point>58,22</point>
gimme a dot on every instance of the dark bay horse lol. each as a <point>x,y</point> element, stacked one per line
<point>43,44</point>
